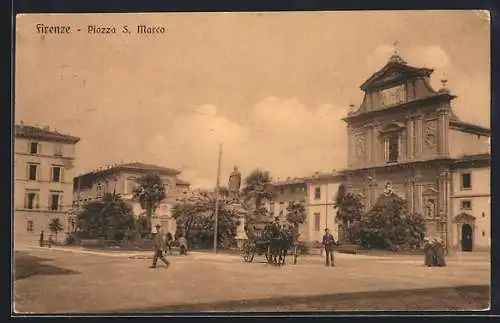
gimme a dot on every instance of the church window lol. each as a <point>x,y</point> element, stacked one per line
<point>465,181</point>
<point>317,221</point>
<point>465,205</point>
<point>99,191</point>
<point>392,148</point>
<point>317,193</point>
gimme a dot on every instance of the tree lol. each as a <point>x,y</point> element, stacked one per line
<point>150,192</point>
<point>296,214</point>
<point>110,217</point>
<point>195,218</point>
<point>257,188</point>
<point>387,225</point>
<point>349,212</point>
<point>55,226</point>
<point>223,192</point>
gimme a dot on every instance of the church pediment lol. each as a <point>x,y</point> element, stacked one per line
<point>395,69</point>
<point>392,127</point>
<point>465,217</point>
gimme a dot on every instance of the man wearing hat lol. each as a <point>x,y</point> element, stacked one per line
<point>159,245</point>
<point>329,242</point>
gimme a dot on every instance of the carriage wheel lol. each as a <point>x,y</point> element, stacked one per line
<point>246,252</point>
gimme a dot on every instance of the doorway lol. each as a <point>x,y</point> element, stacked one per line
<point>466,237</point>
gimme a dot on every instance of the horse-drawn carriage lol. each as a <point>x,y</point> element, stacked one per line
<point>270,239</point>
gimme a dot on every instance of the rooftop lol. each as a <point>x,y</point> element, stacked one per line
<point>38,133</point>
<point>88,179</point>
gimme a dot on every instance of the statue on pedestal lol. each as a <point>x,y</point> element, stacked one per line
<point>234,184</point>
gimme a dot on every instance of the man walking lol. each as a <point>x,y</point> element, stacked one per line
<point>329,242</point>
<point>159,245</point>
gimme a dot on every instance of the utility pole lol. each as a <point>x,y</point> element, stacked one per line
<point>217,198</point>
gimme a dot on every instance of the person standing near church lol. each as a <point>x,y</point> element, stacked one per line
<point>328,243</point>
<point>41,238</point>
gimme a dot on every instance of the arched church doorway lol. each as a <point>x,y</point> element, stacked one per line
<point>466,237</point>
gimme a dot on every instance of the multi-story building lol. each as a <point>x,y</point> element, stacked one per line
<point>321,191</point>
<point>285,192</point>
<point>43,175</point>
<point>405,134</point>
<point>121,179</point>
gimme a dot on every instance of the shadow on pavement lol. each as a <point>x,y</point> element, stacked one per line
<point>26,265</point>
<point>445,298</point>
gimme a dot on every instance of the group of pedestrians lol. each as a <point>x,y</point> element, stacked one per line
<point>162,246</point>
<point>433,250</point>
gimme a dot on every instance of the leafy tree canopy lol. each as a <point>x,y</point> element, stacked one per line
<point>149,192</point>
<point>195,218</point>
<point>296,213</point>
<point>257,187</point>
<point>387,225</point>
<point>110,218</point>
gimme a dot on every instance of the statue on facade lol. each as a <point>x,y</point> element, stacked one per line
<point>388,188</point>
<point>429,208</point>
<point>234,183</point>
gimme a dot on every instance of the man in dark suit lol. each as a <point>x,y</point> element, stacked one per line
<point>41,238</point>
<point>159,246</point>
<point>328,243</point>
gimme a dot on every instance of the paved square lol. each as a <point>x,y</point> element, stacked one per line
<point>99,282</point>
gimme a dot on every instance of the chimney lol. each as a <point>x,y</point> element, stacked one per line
<point>22,123</point>
<point>47,128</point>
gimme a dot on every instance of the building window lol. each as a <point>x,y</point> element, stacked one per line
<point>465,181</point>
<point>31,201</point>
<point>465,205</point>
<point>282,191</point>
<point>483,215</point>
<point>392,148</point>
<point>57,149</point>
<point>30,226</point>
<point>56,174</point>
<point>99,191</point>
<point>34,148</point>
<point>483,233</point>
<point>54,202</point>
<point>32,172</point>
<point>317,193</point>
<point>317,221</point>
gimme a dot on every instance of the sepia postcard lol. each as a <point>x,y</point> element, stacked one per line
<point>251,162</point>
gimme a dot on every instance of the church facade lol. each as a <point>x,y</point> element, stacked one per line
<point>404,135</point>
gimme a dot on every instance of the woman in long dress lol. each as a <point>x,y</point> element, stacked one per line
<point>429,253</point>
<point>439,252</point>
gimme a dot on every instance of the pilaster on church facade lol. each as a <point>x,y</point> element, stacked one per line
<point>400,136</point>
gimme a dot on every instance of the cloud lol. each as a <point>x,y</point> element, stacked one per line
<point>279,135</point>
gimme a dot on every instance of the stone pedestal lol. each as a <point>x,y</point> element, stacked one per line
<point>240,230</point>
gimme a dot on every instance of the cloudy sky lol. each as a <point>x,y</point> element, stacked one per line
<point>271,87</point>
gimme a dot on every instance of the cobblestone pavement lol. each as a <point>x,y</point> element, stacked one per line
<point>122,281</point>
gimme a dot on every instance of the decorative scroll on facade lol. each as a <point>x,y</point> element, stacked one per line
<point>430,131</point>
<point>393,95</point>
<point>359,147</point>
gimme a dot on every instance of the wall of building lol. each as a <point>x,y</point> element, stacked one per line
<point>43,186</point>
<point>322,207</point>
<point>479,196</point>
<point>463,143</point>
